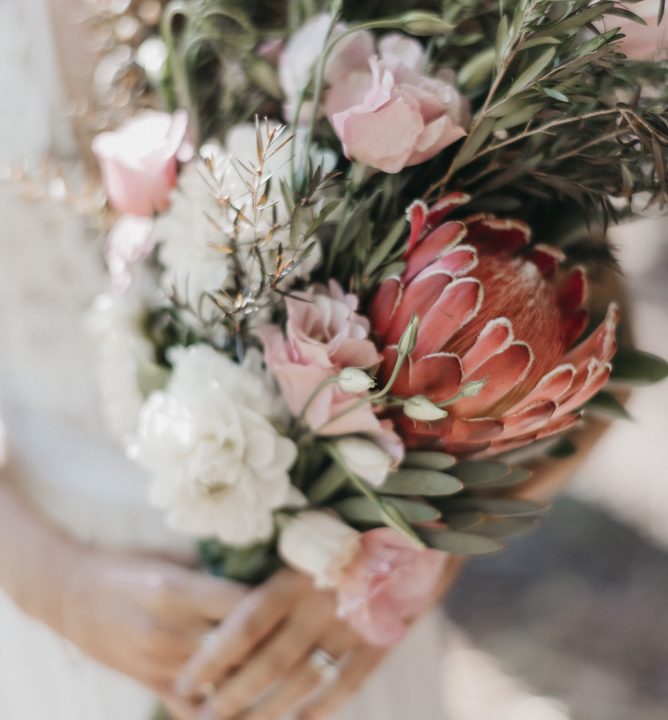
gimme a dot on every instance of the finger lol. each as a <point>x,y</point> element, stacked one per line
<point>213,598</point>
<point>292,643</point>
<point>303,680</point>
<point>178,708</point>
<point>352,674</point>
<point>298,685</point>
<point>254,618</point>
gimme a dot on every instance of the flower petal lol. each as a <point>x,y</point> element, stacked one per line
<point>503,372</point>
<point>494,338</point>
<point>600,344</point>
<point>572,292</point>
<point>502,234</point>
<point>458,304</point>
<point>435,245</point>
<point>385,304</point>
<point>437,376</point>
<point>550,387</point>
<point>418,298</point>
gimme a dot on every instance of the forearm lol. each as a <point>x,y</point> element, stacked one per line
<point>36,561</point>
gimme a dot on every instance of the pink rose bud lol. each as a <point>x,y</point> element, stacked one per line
<point>139,161</point>
<point>389,583</point>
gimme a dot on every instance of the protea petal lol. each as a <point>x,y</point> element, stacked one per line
<point>437,376</point>
<point>550,387</point>
<point>498,234</point>
<point>546,258</point>
<point>385,304</point>
<point>463,435</point>
<point>494,338</point>
<point>572,292</point>
<point>530,419</point>
<point>418,298</point>
<point>458,262</point>
<point>458,304</point>
<point>574,325</point>
<point>445,206</point>
<point>600,344</point>
<point>503,373</point>
<point>598,375</point>
<point>417,216</point>
<point>432,247</point>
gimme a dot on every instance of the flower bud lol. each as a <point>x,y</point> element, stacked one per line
<point>473,388</point>
<point>365,459</point>
<point>421,408</point>
<point>424,23</point>
<point>353,380</point>
<point>408,339</point>
<point>319,545</point>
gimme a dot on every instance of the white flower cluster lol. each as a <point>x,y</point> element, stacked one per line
<point>212,203</point>
<point>219,466</point>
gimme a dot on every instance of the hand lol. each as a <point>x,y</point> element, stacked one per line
<point>141,616</point>
<point>263,650</point>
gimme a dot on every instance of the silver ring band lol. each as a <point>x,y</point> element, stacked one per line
<point>324,664</point>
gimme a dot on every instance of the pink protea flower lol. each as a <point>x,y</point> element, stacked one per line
<point>494,309</point>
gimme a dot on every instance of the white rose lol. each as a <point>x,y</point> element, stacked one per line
<point>365,459</point>
<point>122,352</point>
<point>319,545</point>
<point>219,467</point>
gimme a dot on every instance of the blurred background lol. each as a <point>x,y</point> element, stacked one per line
<point>571,621</point>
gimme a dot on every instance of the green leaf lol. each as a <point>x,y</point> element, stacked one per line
<point>519,117</point>
<point>555,94</point>
<point>429,460</point>
<point>420,482</point>
<point>383,250</point>
<point>606,403</point>
<point>494,506</point>
<point>365,511</point>
<point>460,543</point>
<point>635,366</point>
<point>563,449</point>
<point>532,73</point>
<point>480,472</point>
<point>328,484</point>
<point>474,142</point>
<point>478,69</point>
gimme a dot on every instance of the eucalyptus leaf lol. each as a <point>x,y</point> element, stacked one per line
<point>383,250</point>
<point>328,484</point>
<point>460,543</point>
<point>428,460</point>
<point>532,73</point>
<point>494,506</point>
<point>635,366</point>
<point>605,403</point>
<point>365,511</point>
<point>478,69</point>
<point>480,472</point>
<point>420,482</point>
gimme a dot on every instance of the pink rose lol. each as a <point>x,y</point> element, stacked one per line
<point>388,584</point>
<point>323,335</point>
<point>139,161</point>
<point>303,50</point>
<point>129,241</point>
<point>389,115</point>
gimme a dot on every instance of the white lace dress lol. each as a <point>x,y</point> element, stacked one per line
<point>50,269</point>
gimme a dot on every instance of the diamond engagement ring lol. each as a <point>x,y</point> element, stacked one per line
<point>324,664</point>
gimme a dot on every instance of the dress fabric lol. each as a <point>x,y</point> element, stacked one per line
<point>50,269</point>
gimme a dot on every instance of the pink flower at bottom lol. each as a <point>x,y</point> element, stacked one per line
<point>388,584</point>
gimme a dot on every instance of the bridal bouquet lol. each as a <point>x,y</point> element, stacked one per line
<point>350,266</point>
